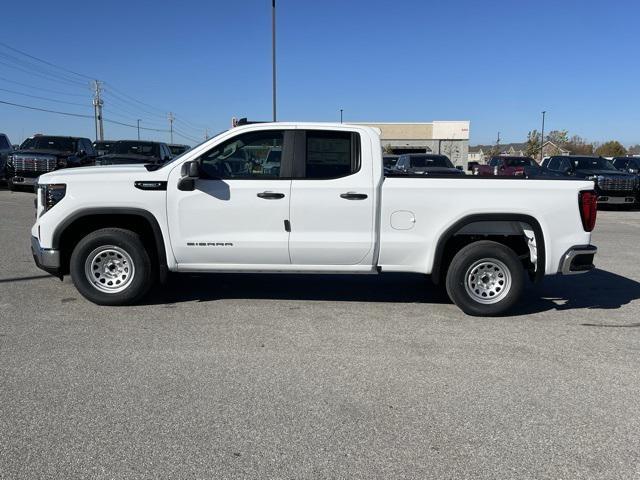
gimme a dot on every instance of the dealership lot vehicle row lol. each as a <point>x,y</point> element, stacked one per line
<point>310,376</point>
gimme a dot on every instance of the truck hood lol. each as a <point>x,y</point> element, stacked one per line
<point>44,152</point>
<point>102,173</point>
<point>122,159</point>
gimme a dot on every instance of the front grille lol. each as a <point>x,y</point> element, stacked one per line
<point>34,164</point>
<point>617,184</point>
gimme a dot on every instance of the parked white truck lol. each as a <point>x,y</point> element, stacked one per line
<point>312,198</point>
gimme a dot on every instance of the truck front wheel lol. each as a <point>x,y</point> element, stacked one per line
<point>485,278</point>
<point>111,267</point>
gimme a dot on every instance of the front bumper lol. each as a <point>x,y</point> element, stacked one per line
<point>578,259</point>
<point>47,259</point>
<point>628,199</point>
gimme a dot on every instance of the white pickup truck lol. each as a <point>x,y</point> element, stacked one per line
<point>312,198</point>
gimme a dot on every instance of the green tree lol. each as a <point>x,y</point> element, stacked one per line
<point>533,143</point>
<point>559,137</point>
<point>612,148</point>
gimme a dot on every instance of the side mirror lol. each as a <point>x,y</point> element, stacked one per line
<point>82,153</point>
<point>189,172</point>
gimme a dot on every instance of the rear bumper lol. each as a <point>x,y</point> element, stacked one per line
<point>46,259</point>
<point>578,259</point>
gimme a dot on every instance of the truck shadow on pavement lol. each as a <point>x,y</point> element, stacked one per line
<point>598,289</point>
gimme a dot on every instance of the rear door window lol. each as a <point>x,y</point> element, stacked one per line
<point>331,154</point>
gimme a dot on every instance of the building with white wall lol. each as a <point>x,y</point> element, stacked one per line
<point>450,138</point>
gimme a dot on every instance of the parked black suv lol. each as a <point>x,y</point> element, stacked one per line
<point>178,149</point>
<point>611,185</point>
<point>627,164</point>
<point>425,164</point>
<point>44,153</point>
<point>127,152</point>
<point>103,147</point>
<point>5,149</point>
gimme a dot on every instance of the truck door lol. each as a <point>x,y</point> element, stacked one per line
<point>332,199</point>
<point>236,214</point>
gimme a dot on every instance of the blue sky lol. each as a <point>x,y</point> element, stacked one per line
<point>496,63</point>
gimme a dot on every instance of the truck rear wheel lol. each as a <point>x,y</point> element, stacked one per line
<point>485,278</point>
<point>111,267</point>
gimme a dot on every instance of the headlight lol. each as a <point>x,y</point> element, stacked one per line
<point>62,163</point>
<point>51,194</point>
<point>10,160</point>
<point>595,178</point>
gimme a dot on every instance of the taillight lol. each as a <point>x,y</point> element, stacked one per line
<point>588,202</point>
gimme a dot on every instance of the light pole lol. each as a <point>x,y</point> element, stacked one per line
<point>138,129</point>
<point>544,112</point>
<point>340,115</point>
<point>273,54</point>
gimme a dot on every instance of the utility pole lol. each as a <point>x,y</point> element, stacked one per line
<point>97,109</point>
<point>273,54</point>
<point>544,112</point>
<point>498,144</point>
<point>206,134</point>
<point>340,115</point>
<point>171,119</point>
<point>138,129</point>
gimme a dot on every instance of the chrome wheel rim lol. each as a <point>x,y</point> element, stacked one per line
<point>109,269</point>
<point>488,281</point>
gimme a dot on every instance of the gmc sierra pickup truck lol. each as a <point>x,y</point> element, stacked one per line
<point>326,207</point>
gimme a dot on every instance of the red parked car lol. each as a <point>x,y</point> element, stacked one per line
<point>504,165</point>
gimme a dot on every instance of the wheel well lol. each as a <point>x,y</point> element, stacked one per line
<point>505,229</point>
<point>79,227</point>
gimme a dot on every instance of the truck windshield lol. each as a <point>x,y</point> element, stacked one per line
<point>147,149</point>
<point>592,163</point>
<point>60,144</point>
<point>519,162</point>
<point>430,161</point>
<point>178,149</point>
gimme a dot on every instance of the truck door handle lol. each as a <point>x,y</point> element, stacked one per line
<point>353,196</point>
<point>271,195</point>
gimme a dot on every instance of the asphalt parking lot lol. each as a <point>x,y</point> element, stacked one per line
<point>264,376</point>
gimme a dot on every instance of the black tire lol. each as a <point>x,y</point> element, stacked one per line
<point>133,269</point>
<point>483,272</point>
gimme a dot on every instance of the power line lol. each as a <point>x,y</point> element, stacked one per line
<point>42,98</point>
<point>30,65</point>
<point>126,106</point>
<point>46,77</point>
<point>57,92</point>
<point>115,113</point>
<point>114,93</point>
<point>183,135</point>
<point>135,100</point>
<point>123,97</point>
<point>69,114</point>
<point>135,126</point>
<point>44,61</point>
